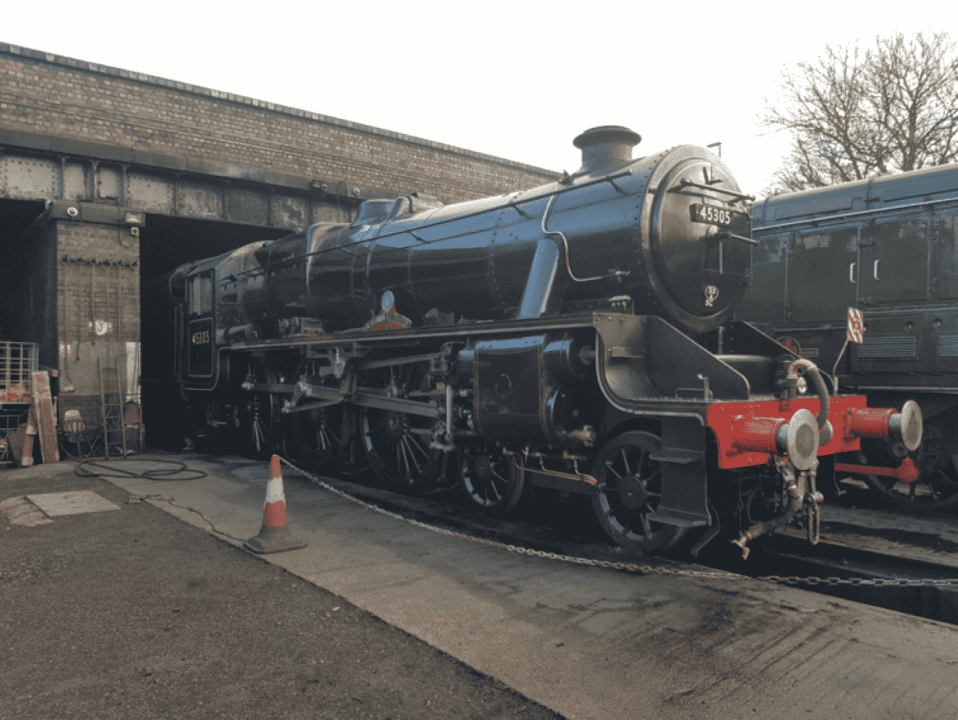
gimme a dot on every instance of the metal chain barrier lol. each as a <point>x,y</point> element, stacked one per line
<point>627,567</point>
<point>865,582</point>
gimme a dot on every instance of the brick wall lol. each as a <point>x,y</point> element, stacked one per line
<point>54,95</point>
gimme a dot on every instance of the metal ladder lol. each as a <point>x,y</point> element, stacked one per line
<point>111,405</point>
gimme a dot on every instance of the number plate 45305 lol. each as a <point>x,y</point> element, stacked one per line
<point>714,215</point>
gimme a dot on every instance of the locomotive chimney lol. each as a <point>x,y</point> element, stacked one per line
<point>605,144</point>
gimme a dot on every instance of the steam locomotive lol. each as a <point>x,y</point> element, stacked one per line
<point>573,338</point>
<point>889,246</point>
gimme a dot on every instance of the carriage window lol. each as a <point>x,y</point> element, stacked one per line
<point>201,294</point>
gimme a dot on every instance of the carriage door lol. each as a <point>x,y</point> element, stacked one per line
<point>894,263</point>
<point>894,287</point>
<point>822,276</point>
<point>200,333</point>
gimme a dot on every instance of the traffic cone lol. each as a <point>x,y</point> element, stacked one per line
<point>275,535</point>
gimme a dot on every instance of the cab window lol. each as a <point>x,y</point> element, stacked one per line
<point>201,294</point>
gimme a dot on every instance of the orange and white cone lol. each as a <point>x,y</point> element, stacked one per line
<point>275,535</point>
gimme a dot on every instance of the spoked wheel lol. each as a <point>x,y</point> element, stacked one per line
<point>320,436</point>
<point>253,416</point>
<point>252,421</point>
<point>629,488</point>
<point>491,479</point>
<point>397,444</point>
<point>935,489</point>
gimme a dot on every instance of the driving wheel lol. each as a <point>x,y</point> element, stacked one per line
<point>398,444</point>
<point>320,435</point>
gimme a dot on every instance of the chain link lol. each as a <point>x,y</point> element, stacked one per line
<point>631,567</point>
<point>870,582</point>
<point>626,567</point>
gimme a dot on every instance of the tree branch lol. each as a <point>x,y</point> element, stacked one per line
<point>854,114</point>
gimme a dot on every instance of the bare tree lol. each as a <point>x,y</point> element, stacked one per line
<point>856,114</point>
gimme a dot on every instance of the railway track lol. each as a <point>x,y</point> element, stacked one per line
<point>922,587</point>
<point>920,581</point>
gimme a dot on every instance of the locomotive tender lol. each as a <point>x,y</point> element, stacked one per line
<point>574,338</point>
<point>889,246</point>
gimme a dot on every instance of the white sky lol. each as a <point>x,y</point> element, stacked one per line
<point>514,79</point>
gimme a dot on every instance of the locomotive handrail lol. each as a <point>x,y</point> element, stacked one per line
<point>684,183</point>
<point>565,244</point>
<point>358,338</point>
<point>733,236</point>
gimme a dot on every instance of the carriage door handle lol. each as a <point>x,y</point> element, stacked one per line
<point>851,272</point>
<point>875,270</point>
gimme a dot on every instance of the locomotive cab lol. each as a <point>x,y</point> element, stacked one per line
<point>200,330</point>
<point>193,310</point>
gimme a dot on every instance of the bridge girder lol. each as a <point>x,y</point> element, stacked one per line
<point>86,172</point>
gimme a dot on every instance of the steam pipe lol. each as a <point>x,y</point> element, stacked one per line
<point>821,389</point>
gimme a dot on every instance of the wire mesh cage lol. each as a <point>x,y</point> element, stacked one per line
<point>17,361</point>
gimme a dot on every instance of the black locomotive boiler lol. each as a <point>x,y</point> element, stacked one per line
<point>573,338</point>
<point>889,247</point>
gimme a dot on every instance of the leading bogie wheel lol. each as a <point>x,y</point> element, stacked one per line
<point>629,490</point>
<point>491,479</point>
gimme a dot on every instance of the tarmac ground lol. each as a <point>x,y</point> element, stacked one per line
<point>131,613</point>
